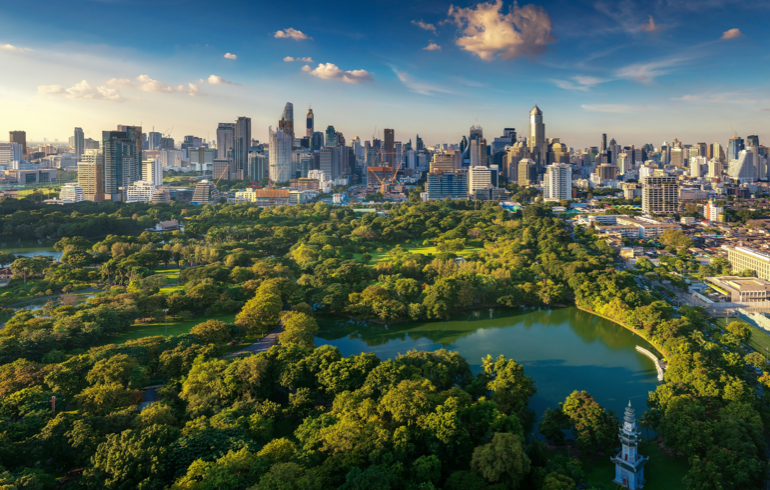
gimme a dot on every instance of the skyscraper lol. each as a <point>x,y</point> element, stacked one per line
<point>20,137</point>
<point>558,181</point>
<point>153,140</point>
<point>604,141</point>
<point>660,193</point>
<point>536,140</point>
<point>280,156</point>
<point>331,136</point>
<point>286,123</point>
<point>225,139</point>
<point>122,162</point>
<point>241,145</point>
<point>734,147</point>
<point>389,148</point>
<point>310,123</point>
<point>79,141</point>
<point>419,144</point>
<point>752,141</point>
<point>91,179</point>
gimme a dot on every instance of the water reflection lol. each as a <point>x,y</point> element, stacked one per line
<point>562,349</point>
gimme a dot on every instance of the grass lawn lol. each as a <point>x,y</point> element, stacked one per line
<point>661,471</point>
<point>172,276</point>
<point>175,327</point>
<point>229,349</point>
<point>380,256</point>
<point>760,340</point>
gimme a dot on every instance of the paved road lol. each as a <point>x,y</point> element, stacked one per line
<point>261,345</point>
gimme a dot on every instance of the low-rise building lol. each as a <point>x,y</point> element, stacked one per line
<point>72,192</point>
<point>140,191</point>
<point>742,289</point>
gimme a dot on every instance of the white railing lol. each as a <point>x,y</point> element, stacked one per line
<point>658,366</point>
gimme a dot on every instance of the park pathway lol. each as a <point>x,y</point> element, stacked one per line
<point>261,345</point>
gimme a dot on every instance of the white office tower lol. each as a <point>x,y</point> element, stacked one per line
<point>646,170</point>
<point>152,171</point>
<point>743,169</point>
<point>715,168</point>
<point>140,191</point>
<point>558,181</point>
<point>280,156</point>
<point>10,152</point>
<point>72,192</point>
<point>475,153</point>
<point>478,178</point>
<point>696,166</point>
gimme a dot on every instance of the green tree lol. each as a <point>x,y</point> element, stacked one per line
<point>741,330</point>
<point>503,460</point>
<point>26,267</point>
<point>261,313</point>
<point>594,428</point>
<point>212,332</point>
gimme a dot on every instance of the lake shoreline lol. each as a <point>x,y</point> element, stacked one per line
<point>639,333</point>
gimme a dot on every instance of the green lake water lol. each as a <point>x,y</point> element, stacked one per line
<point>563,350</point>
<point>30,248</point>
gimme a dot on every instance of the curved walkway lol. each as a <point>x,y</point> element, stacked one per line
<point>261,345</point>
<point>654,359</point>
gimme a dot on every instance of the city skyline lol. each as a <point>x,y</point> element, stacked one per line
<point>640,71</point>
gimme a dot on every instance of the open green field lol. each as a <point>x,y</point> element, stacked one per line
<point>175,327</point>
<point>760,340</point>
<point>172,277</point>
<point>380,256</point>
<point>662,472</point>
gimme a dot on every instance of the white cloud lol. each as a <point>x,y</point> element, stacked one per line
<point>230,56</point>
<point>82,90</point>
<point>50,89</point>
<point>646,72</point>
<point>11,47</point>
<point>150,85</point>
<point>120,82</point>
<point>191,89</point>
<point>216,80</point>
<point>419,87</point>
<point>488,33</point>
<point>737,97</point>
<point>306,59</point>
<point>613,108</point>
<point>734,33</point>
<point>330,71</point>
<point>432,47</point>
<point>423,25</point>
<point>292,33</point>
<point>578,82</point>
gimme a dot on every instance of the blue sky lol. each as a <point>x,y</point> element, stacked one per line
<point>639,71</point>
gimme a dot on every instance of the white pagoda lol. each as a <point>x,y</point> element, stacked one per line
<point>629,465</point>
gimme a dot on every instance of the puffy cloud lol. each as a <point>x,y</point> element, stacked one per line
<point>11,47</point>
<point>734,33</point>
<point>330,71</point>
<point>651,26</point>
<point>292,33</point>
<point>306,59</point>
<point>82,90</point>
<point>230,56</point>
<point>120,82</point>
<point>578,82</point>
<point>50,89</point>
<point>150,85</point>
<point>191,89</point>
<point>216,80</point>
<point>432,47</point>
<point>423,25</point>
<point>488,33</point>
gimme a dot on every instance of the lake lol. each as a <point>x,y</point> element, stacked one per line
<point>30,248</point>
<point>563,350</point>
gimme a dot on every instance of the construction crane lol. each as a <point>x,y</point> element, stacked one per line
<point>223,174</point>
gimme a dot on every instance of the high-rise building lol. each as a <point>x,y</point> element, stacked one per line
<point>167,143</point>
<point>607,171</point>
<point>734,147</point>
<point>624,165</point>
<point>443,161</point>
<point>604,142</point>
<point>478,178</point>
<point>527,169</point>
<point>660,194</point>
<point>220,167</point>
<point>331,136</point>
<point>310,123</point>
<point>201,159</point>
<point>153,140</point>
<point>389,148</point>
<point>536,141</point>
<point>317,141</point>
<point>72,192</point>
<point>717,152</point>
<point>715,168</point>
<point>91,178</point>
<point>225,139</point>
<point>140,191</point>
<point>79,141</point>
<point>678,157</point>
<point>286,123</point>
<point>280,156</point>
<point>558,181</point>
<point>122,162</point>
<point>711,211</point>
<point>696,166</point>
<point>20,137</point>
<point>702,150</point>
<point>241,145</point>
<point>419,143</point>
<point>152,171</point>
<point>744,168</point>
<point>11,152</point>
<point>330,161</point>
<point>752,141</point>
<point>134,133</point>
<point>258,168</point>
<point>440,185</point>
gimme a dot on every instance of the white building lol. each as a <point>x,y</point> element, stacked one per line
<point>72,192</point>
<point>280,156</point>
<point>10,152</point>
<point>478,178</point>
<point>171,158</point>
<point>743,169</point>
<point>715,168</point>
<point>140,191</point>
<point>696,166</point>
<point>318,175</point>
<point>558,181</point>
<point>152,171</point>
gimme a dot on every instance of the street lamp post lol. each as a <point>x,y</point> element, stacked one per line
<point>165,320</point>
<point>53,405</point>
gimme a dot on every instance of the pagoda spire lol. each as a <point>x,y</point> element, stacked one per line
<point>629,464</point>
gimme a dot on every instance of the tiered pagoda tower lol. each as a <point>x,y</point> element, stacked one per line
<point>629,465</point>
